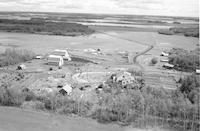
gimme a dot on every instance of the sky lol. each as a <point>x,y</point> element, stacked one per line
<point>135,7</point>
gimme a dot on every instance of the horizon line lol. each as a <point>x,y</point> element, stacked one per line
<point>98,14</point>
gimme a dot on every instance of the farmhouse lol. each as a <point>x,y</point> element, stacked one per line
<point>123,78</point>
<point>55,60</point>
<point>66,90</point>
<point>62,53</point>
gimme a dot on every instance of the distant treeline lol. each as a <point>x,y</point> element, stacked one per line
<point>40,26</point>
<point>190,32</point>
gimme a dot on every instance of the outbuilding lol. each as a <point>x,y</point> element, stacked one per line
<point>164,54</point>
<point>66,90</point>
<point>38,57</point>
<point>197,71</point>
<point>55,60</point>
<point>63,53</point>
<point>168,66</point>
<point>164,60</point>
<point>21,67</point>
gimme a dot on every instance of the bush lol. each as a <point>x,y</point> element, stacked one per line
<point>190,86</point>
<point>37,105</point>
<point>15,56</point>
<point>154,61</point>
<point>29,96</point>
<point>10,97</point>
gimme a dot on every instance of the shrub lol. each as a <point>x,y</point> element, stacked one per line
<point>190,86</point>
<point>10,97</point>
<point>154,61</point>
<point>37,105</point>
<point>29,96</point>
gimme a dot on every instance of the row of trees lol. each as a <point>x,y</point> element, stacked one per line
<point>189,32</point>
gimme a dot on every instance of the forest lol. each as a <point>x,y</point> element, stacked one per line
<point>41,26</point>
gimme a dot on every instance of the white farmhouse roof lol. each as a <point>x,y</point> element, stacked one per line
<point>55,56</point>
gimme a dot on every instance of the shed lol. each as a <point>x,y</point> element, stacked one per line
<point>66,90</point>
<point>168,66</point>
<point>38,57</point>
<point>164,60</point>
<point>197,71</point>
<point>21,67</point>
<point>63,53</point>
<point>55,60</point>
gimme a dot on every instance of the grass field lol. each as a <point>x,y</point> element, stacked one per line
<point>13,119</point>
<point>44,43</point>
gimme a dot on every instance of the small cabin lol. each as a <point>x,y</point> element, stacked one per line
<point>55,60</point>
<point>198,71</point>
<point>21,67</point>
<point>62,53</point>
<point>38,57</point>
<point>164,54</point>
<point>66,90</point>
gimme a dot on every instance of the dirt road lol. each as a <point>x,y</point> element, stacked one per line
<point>139,54</point>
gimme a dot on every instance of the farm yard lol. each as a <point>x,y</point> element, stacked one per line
<point>101,76</point>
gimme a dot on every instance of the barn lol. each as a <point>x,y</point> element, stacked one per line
<point>55,60</point>
<point>63,53</point>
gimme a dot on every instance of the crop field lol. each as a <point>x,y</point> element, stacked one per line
<point>44,44</point>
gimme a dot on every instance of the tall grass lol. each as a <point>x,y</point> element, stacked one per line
<point>15,56</point>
